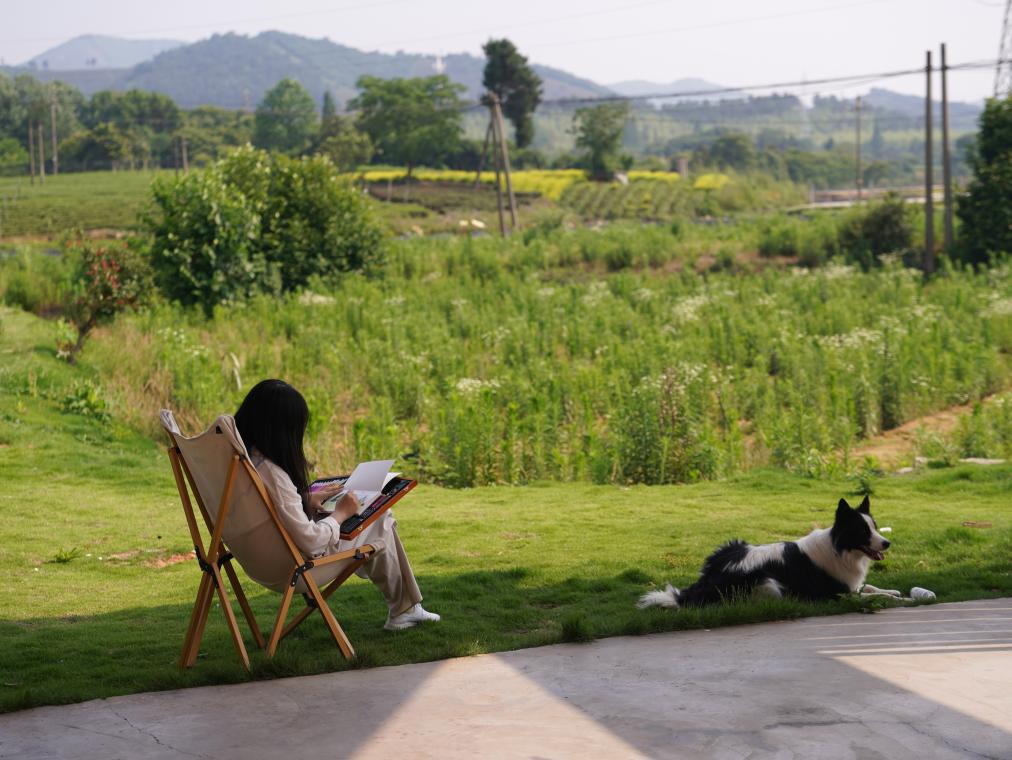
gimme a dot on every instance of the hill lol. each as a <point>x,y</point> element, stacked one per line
<point>638,87</point>
<point>913,105</point>
<point>96,51</point>
<point>234,71</point>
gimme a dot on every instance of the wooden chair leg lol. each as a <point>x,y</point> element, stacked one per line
<point>244,604</point>
<point>203,610</point>
<point>191,628</point>
<point>233,624</point>
<point>335,628</point>
<point>330,589</point>
<point>286,600</point>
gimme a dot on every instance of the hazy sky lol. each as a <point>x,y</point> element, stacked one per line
<point>731,42</point>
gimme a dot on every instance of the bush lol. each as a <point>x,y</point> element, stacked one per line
<point>109,279</point>
<point>883,227</point>
<point>255,222</point>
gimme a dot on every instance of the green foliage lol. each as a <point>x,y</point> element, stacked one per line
<point>255,222</point>
<point>204,239</point>
<point>879,228</point>
<point>35,283</point>
<point>596,355</point>
<point>85,398</point>
<point>985,210</point>
<point>344,145</point>
<point>732,150</point>
<point>519,88</point>
<point>109,279</point>
<point>599,132</point>
<point>285,119</point>
<point>410,121</point>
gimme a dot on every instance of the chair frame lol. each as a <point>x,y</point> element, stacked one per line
<point>217,557</point>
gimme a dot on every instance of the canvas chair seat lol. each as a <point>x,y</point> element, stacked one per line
<point>217,468</point>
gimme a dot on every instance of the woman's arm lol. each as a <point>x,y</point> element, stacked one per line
<point>312,538</point>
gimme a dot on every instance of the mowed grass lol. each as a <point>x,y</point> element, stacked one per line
<point>83,200</point>
<point>90,608</point>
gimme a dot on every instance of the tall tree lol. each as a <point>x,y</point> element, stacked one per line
<point>508,75</point>
<point>599,132</point>
<point>410,121</point>
<point>985,210</point>
<point>285,120</point>
<point>328,114</point>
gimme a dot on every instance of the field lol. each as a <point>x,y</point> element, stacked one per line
<point>99,585</point>
<point>590,408</point>
<point>89,200</point>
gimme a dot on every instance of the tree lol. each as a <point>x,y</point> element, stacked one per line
<point>733,150</point>
<point>108,279</point>
<point>329,111</point>
<point>599,132</point>
<point>518,87</point>
<point>986,209</point>
<point>347,147</point>
<point>285,120</point>
<point>410,121</point>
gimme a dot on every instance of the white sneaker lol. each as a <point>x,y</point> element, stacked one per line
<point>412,617</point>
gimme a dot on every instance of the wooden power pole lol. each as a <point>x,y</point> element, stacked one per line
<point>42,154</point>
<point>504,155</point>
<point>52,129</point>
<point>946,158</point>
<point>858,179</point>
<point>929,209</point>
<point>496,135</point>
<point>31,150</point>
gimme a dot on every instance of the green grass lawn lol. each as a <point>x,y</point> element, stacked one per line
<point>90,509</point>
<point>84,200</point>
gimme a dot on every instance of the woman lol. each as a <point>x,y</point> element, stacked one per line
<point>272,421</point>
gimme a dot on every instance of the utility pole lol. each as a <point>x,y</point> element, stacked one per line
<point>858,180</point>
<point>946,159</point>
<point>505,155</point>
<point>498,172</point>
<point>929,210</point>
<point>186,162</point>
<point>31,150</point>
<point>42,155</point>
<point>52,129</point>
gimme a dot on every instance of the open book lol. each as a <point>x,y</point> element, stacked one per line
<point>366,483</point>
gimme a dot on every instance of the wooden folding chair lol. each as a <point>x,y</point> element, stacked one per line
<point>243,524</point>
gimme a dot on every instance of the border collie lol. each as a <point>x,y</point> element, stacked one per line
<point>822,565</point>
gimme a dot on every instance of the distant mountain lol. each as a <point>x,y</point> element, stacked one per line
<point>234,71</point>
<point>638,87</point>
<point>913,105</point>
<point>94,51</point>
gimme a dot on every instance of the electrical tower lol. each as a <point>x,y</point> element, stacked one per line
<point>1003,72</point>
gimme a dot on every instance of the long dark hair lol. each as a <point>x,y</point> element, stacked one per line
<point>272,419</point>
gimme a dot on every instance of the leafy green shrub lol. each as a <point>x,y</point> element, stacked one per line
<point>883,227</point>
<point>85,398</point>
<point>35,283</point>
<point>108,279</point>
<point>256,222</point>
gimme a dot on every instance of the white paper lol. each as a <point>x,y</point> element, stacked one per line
<point>367,481</point>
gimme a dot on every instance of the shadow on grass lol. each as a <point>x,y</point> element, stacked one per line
<point>75,658</point>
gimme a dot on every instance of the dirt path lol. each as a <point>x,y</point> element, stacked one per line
<point>896,446</point>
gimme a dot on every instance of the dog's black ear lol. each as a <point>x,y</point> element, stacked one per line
<point>842,509</point>
<point>865,507</point>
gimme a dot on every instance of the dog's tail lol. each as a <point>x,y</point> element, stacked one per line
<point>666,598</point>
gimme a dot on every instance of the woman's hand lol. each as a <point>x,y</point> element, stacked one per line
<point>346,507</point>
<point>316,498</point>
